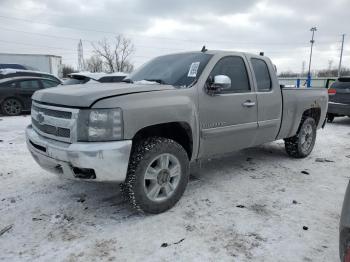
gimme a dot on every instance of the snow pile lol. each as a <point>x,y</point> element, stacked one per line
<point>254,205</point>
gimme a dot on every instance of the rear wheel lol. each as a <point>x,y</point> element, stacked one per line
<point>11,107</point>
<point>301,145</point>
<point>157,175</point>
<point>330,118</point>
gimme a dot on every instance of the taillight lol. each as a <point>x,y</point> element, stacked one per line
<point>332,91</point>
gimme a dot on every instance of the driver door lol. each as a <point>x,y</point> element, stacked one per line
<point>26,89</point>
<point>228,119</point>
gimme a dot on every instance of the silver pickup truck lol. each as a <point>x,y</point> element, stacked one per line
<point>147,132</point>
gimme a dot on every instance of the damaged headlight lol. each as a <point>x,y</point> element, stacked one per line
<point>97,125</point>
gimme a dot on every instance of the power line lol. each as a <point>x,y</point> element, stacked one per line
<point>312,41</point>
<point>18,43</point>
<point>78,39</point>
<point>153,37</point>
<point>341,54</point>
<point>67,50</point>
<point>90,41</point>
<point>45,35</point>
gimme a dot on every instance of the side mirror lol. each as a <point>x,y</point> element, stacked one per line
<point>220,83</point>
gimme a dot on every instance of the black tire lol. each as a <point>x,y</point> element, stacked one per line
<point>330,118</point>
<point>295,147</point>
<point>11,107</point>
<point>143,153</point>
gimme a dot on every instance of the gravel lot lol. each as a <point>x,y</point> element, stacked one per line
<point>249,206</point>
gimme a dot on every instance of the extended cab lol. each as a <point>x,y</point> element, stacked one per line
<point>177,109</point>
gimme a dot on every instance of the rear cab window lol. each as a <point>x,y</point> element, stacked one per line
<point>262,75</point>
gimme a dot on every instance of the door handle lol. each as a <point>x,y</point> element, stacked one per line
<point>248,103</point>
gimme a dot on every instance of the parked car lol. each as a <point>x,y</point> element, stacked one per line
<point>13,66</point>
<point>8,73</point>
<point>87,77</point>
<point>344,228</point>
<point>16,92</point>
<point>339,98</point>
<point>82,78</point>
<point>164,118</point>
<point>113,77</point>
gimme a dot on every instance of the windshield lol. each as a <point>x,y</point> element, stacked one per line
<point>177,70</point>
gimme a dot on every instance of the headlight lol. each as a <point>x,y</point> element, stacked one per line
<point>100,125</point>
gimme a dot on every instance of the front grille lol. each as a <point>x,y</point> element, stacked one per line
<point>54,113</point>
<point>52,130</point>
<point>54,122</point>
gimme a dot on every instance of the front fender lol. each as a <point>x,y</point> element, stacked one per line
<point>147,109</point>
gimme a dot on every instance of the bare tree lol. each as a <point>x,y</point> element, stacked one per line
<point>103,50</point>
<point>123,49</point>
<point>288,74</point>
<point>94,64</point>
<point>116,58</point>
<point>66,70</point>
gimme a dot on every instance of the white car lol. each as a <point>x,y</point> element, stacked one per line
<point>87,77</point>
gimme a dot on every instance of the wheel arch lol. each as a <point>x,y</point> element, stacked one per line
<point>314,113</point>
<point>181,132</point>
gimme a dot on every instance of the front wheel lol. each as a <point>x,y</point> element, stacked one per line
<point>157,175</point>
<point>301,145</point>
<point>330,118</point>
<point>11,107</point>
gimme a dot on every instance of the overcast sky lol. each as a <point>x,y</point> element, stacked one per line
<point>279,28</point>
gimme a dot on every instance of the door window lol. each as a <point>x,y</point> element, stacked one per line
<point>48,83</point>
<point>8,84</point>
<point>262,75</point>
<point>29,84</point>
<point>233,67</point>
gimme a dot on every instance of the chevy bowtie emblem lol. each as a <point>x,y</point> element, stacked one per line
<point>41,118</point>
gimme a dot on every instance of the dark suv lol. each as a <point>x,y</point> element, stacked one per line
<point>16,92</point>
<point>339,98</point>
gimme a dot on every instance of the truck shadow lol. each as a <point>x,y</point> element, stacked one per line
<point>98,200</point>
<point>105,201</point>
<point>245,160</point>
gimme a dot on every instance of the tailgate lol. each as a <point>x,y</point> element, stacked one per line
<point>298,100</point>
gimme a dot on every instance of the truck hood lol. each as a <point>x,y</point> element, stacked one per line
<point>86,94</point>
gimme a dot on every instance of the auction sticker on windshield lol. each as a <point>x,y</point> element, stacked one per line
<point>193,69</point>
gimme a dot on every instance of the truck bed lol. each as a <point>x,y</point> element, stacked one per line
<point>295,102</point>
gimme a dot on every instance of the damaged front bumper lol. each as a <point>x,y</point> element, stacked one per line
<point>98,161</point>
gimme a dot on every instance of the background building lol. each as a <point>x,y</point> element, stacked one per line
<point>46,63</point>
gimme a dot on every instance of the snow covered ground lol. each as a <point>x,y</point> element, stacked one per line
<point>57,220</point>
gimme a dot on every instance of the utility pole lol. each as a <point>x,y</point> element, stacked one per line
<point>81,66</point>
<point>303,68</point>
<point>330,63</point>
<point>341,54</point>
<point>312,41</point>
